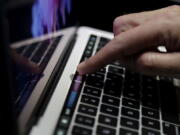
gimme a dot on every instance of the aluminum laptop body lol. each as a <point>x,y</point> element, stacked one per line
<point>112,101</point>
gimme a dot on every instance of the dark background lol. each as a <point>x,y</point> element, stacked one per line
<point>101,13</point>
<point>94,13</point>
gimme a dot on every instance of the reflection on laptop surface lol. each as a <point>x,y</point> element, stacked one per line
<point>58,101</point>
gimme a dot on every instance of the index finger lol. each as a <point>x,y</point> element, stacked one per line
<point>128,43</point>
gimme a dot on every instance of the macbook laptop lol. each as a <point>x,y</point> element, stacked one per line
<point>58,101</point>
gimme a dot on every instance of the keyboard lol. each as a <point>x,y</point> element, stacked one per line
<point>40,53</point>
<point>117,101</point>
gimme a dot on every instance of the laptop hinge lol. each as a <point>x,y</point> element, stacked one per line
<point>52,82</point>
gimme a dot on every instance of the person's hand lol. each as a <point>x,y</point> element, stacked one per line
<point>24,63</point>
<point>137,37</point>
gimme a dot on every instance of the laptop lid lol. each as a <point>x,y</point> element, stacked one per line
<point>24,20</point>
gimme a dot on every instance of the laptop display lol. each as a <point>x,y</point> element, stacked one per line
<point>34,19</point>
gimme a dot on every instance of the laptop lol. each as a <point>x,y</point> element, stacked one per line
<point>59,101</point>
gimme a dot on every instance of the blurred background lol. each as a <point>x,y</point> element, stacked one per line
<point>94,13</point>
<point>101,13</point>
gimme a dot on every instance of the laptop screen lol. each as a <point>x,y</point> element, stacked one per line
<point>32,19</point>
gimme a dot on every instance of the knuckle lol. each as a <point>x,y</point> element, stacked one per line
<point>119,21</point>
<point>175,7</point>
<point>171,13</point>
<point>116,21</point>
<point>164,30</point>
<point>165,25</point>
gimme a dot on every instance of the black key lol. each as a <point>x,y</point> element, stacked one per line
<point>169,129</point>
<point>150,113</point>
<point>132,86</point>
<point>92,41</point>
<point>84,58</point>
<point>64,121</point>
<point>84,120</point>
<point>127,132</point>
<point>89,48</point>
<point>131,93</point>
<point>93,38</point>
<point>92,91</point>
<point>112,88</point>
<point>99,48</point>
<point>90,45</point>
<point>81,131</point>
<point>103,41</point>
<point>115,77</point>
<point>150,123</point>
<point>105,131</point>
<point>109,110</point>
<point>149,132</point>
<point>111,92</point>
<point>87,53</point>
<point>111,100</point>
<point>90,100</point>
<point>96,76</point>
<point>94,82</point>
<point>132,76</point>
<point>148,80</point>
<point>130,113</point>
<point>129,123</point>
<point>61,131</point>
<point>130,103</point>
<point>107,120</point>
<point>150,85</point>
<point>102,70</point>
<point>114,85</point>
<point>30,49</point>
<point>87,110</point>
<point>116,70</point>
<point>150,103</point>
<point>148,92</point>
<point>132,89</point>
<point>116,63</point>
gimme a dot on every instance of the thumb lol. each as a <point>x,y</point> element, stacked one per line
<point>155,63</point>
